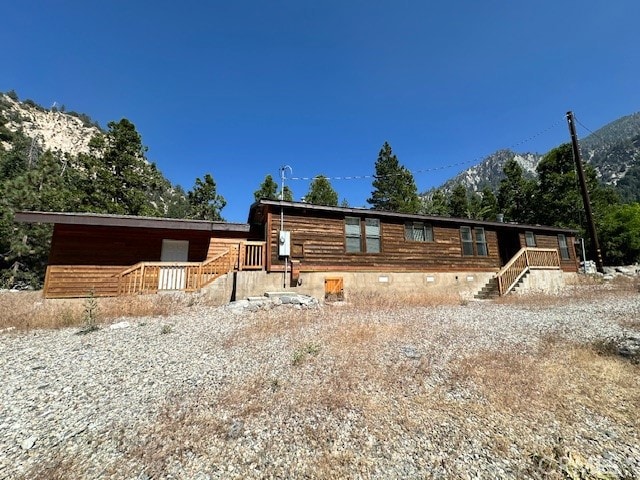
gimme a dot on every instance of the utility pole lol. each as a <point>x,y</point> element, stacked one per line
<point>585,193</point>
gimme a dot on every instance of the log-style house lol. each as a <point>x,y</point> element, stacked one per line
<point>313,249</point>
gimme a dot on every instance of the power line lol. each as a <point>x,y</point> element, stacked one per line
<point>433,169</point>
<point>587,128</point>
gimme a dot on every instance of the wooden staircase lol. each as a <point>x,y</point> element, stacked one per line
<point>511,276</point>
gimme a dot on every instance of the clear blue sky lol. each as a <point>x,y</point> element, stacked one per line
<point>239,88</point>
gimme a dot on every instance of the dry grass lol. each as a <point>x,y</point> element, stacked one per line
<point>545,395</point>
<point>29,310</point>
<point>387,301</point>
<point>354,376</point>
<point>342,395</point>
<point>586,290</point>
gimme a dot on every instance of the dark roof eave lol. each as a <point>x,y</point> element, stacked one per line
<point>108,220</point>
<point>408,216</point>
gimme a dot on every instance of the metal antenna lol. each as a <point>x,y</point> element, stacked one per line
<point>283,171</point>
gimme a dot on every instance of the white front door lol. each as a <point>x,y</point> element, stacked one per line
<point>172,277</point>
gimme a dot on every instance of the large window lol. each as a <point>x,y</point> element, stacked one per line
<point>418,232</point>
<point>372,230</point>
<point>564,248</point>
<point>467,241</point>
<point>353,234</point>
<point>530,239</point>
<point>481,242</point>
<point>469,237</point>
<point>357,229</point>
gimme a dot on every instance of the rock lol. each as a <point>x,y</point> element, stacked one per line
<point>29,443</point>
<point>630,271</point>
<point>236,429</point>
<point>411,352</point>
<point>629,347</point>
<point>120,325</point>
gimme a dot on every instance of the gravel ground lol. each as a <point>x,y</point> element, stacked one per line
<point>187,396</point>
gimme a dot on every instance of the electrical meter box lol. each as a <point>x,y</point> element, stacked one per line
<point>284,243</point>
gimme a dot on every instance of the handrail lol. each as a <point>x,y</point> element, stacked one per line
<point>190,276</point>
<point>526,259</point>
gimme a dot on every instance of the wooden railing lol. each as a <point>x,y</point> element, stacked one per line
<point>151,277</point>
<point>252,256</point>
<point>526,259</point>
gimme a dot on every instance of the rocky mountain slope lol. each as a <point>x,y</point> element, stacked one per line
<point>613,150</point>
<point>48,129</point>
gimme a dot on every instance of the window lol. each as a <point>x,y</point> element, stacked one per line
<point>467,241</point>
<point>372,230</point>
<point>418,232</point>
<point>481,242</point>
<point>467,236</point>
<point>356,230</point>
<point>353,234</point>
<point>530,239</point>
<point>564,248</point>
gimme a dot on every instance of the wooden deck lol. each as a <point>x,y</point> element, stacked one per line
<point>74,281</point>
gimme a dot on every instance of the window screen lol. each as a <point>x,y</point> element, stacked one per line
<point>564,248</point>
<point>481,242</point>
<point>352,234</point>
<point>530,239</point>
<point>467,241</point>
<point>372,230</point>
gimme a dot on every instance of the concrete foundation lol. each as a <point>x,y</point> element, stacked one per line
<point>461,284</point>
<point>543,281</point>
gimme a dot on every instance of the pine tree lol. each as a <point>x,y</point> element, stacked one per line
<point>436,204</point>
<point>458,202</point>
<point>515,194</point>
<point>321,192</point>
<point>204,201</point>
<point>268,189</point>
<point>488,205</point>
<point>394,187</point>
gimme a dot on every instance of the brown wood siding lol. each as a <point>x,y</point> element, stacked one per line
<point>323,241</point>
<point>97,245</point>
<point>551,241</point>
<point>76,281</point>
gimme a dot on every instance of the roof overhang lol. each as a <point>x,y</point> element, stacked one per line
<point>301,206</point>
<point>107,220</point>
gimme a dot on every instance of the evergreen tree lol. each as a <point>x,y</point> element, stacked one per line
<point>458,202</point>
<point>557,197</point>
<point>394,187</point>
<point>437,204</point>
<point>178,203</point>
<point>268,189</point>
<point>24,248</point>
<point>515,194</point>
<point>204,201</point>
<point>287,194</point>
<point>321,192</point>
<point>117,177</point>
<point>488,205</point>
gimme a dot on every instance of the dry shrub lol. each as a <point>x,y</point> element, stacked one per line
<point>374,301</point>
<point>29,310</point>
<point>560,377</point>
<point>584,291</point>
